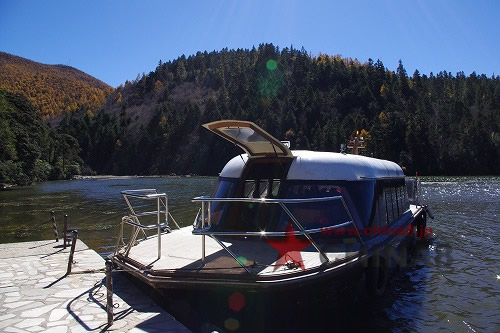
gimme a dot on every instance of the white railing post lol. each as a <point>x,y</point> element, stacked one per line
<point>158,214</point>
<point>203,237</point>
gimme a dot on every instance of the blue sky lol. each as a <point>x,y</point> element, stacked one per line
<point>116,40</point>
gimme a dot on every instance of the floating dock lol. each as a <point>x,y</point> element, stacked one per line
<point>37,295</point>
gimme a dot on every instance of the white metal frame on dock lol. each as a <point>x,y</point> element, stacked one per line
<point>133,218</point>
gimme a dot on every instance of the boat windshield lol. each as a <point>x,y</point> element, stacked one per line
<point>245,216</point>
<point>225,188</point>
<point>257,217</point>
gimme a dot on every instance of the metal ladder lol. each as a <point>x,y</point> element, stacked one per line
<point>162,219</point>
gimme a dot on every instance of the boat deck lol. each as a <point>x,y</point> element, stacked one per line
<point>181,251</point>
<point>258,260</point>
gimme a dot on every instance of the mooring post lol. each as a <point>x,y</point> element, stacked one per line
<point>54,225</point>
<point>74,236</point>
<point>109,288</point>
<point>65,231</point>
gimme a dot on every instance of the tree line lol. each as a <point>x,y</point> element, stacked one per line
<point>30,150</point>
<point>436,124</point>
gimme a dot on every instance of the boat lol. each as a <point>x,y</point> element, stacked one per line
<point>277,219</point>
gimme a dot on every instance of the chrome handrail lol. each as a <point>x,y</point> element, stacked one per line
<point>142,193</point>
<point>282,203</point>
<point>269,233</point>
<point>129,220</point>
<point>265,200</point>
<point>133,219</point>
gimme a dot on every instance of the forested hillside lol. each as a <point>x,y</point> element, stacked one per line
<point>30,150</point>
<point>52,89</point>
<point>436,124</point>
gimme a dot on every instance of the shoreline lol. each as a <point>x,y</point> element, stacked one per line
<point>135,176</point>
<point>7,187</point>
<point>199,176</point>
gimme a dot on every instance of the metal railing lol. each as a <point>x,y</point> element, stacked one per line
<point>162,219</point>
<point>205,202</point>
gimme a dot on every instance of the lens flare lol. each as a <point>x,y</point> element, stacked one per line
<point>270,82</point>
<point>271,64</point>
<point>232,324</point>
<point>236,301</point>
<point>242,260</point>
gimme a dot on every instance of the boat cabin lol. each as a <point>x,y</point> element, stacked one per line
<point>373,190</point>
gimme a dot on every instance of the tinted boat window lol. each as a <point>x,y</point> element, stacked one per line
<point>314,215</point>
<point>268,188</point>
<point>392,206</point>
<point>249,188</point>
<point>362,195</point>
<point>396,202</point>
<point>395,199</point>
<point>244,216</point>
<point>225,188</point>
<point>379,218</point>
<point>275,187</point>
<point>400,200</point>
<point>358,196</point>
<point>388,208</point>
<point>406,203</point>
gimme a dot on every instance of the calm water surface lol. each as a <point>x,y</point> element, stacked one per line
<point>94,207</point>
<point>452,282</point>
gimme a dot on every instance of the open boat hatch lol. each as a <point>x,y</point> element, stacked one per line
<point>251,138</point>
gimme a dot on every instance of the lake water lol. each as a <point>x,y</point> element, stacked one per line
<point>93,206</point>
<point>452,282</point>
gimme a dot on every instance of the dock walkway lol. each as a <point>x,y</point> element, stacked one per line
<point>35,294</point>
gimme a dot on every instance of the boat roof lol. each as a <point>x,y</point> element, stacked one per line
<point>315,165</point>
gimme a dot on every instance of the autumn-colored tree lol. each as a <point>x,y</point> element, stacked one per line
<point>52,89</point>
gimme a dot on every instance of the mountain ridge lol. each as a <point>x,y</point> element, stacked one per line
<point>52,89</point>
<point>434,124</point>
<point>440,124</point>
